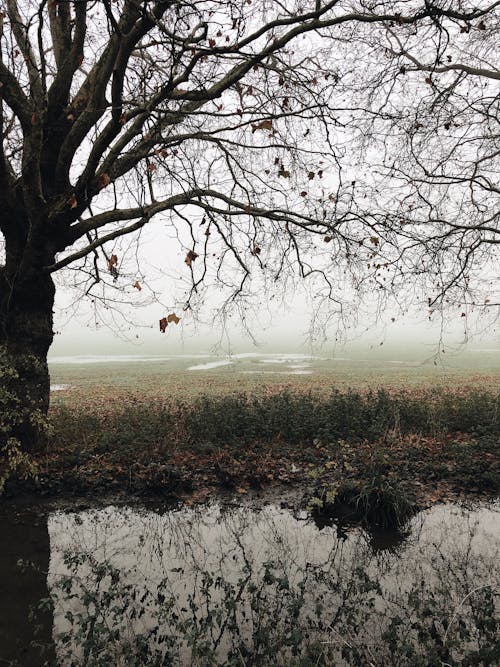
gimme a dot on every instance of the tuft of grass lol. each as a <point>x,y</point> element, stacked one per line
<point>378,502</point>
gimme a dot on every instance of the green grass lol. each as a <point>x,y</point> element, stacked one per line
<point>98,383</point>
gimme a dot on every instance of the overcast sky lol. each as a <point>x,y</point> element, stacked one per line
<point>275,326</point>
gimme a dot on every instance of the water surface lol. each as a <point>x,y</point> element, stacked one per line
<point>222,585</point>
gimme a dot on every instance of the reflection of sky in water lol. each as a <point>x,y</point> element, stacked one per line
<point>209,365</point>
<point>122,358</point>
<point>172,549</point>
<point>146,358</point>
<point>287,363</point>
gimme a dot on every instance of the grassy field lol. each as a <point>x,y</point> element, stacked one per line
<point>192,426</point>
<point>96,383</point>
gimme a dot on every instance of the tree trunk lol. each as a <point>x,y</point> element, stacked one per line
<point>26,303</point>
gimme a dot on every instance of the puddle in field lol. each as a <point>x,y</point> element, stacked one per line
<point>240,585</point>
<point>288,364</point>
<point>209,365</point>
<point>84,359</point>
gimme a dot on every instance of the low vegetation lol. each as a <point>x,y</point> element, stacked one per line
<point>365,445</point>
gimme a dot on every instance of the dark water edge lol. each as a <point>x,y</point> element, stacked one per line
<point>233,584</point>
<point>24,537</point>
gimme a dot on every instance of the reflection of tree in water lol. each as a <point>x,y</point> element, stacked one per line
<point>242,587</point>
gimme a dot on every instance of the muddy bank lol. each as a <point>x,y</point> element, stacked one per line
<point>425,470</point>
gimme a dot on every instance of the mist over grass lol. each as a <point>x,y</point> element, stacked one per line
<point>390,336</point>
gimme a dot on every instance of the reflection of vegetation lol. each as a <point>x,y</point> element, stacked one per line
<point>257,593</point>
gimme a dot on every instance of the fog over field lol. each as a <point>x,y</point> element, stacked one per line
<point>454,341</point>
<point>292,318</point>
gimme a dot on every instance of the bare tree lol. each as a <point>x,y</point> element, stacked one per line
<point>349,140</point>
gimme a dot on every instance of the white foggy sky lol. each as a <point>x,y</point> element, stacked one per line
<point>275,325</point>
<point>282,323</point>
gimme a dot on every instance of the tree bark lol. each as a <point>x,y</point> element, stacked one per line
<point>26,333</point>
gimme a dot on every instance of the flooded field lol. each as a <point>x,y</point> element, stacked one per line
<point>246,585</point>
<point>74,378</point>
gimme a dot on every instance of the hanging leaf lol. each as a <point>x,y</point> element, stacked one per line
<point>103,181</point>
<point>173,318</point>
<point>112,262</point>
<point>327,239</point>
<point>163,324</point>
<point>72,201</point>
<point>190,257</point>
<point>264,125</point>
<point>374,240</point>
<point>284,173</point>
<point>137,285</point>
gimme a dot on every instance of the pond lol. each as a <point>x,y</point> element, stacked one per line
<point>245,585</point>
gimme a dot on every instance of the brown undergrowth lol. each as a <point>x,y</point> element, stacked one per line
<point>430,445</point>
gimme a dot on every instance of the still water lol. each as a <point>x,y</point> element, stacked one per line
<point>239,585</point>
